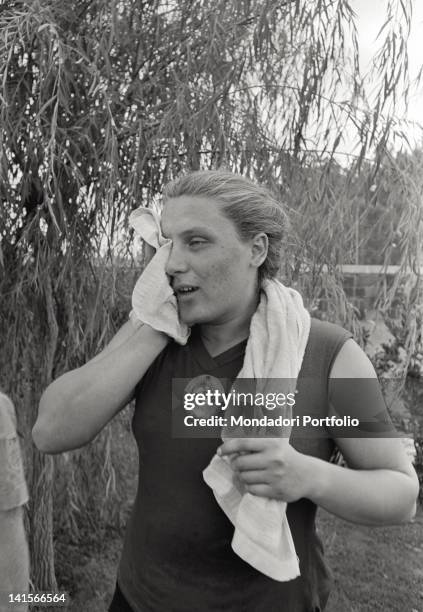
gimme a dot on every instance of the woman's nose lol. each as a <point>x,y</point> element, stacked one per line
<point>176,262</point>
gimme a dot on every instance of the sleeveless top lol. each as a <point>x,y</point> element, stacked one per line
<point>177,554</point>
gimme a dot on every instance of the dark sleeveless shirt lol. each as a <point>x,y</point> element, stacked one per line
<point>177,554</point>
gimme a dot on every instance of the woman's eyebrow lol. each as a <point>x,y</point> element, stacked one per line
<point>195,230</point>
<point>191,231</point>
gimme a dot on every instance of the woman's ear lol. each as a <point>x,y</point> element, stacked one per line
<point>259,248</point>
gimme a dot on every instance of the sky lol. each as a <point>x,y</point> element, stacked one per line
<point>370,18</point>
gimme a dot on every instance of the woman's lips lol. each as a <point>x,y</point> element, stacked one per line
<point>183,295</point>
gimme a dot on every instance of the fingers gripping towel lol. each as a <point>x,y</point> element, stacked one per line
<point>153,301</point>
<point>279,333</point>
<point>278,336</point>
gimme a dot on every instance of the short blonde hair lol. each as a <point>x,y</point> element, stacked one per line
<point>251,207</point>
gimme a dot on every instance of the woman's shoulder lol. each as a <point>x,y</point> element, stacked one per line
<point>324,330</point>
<point>324,343</point>
<point>326,335</point>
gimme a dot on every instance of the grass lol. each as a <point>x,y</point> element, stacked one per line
<point>374,568</point>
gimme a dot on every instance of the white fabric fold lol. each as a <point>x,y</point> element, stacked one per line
<point>153,300</point>
<point>279,332</point>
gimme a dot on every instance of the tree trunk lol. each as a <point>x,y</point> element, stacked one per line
<point>41,503</point>
<point>41,524</point>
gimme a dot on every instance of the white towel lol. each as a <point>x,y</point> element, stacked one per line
<point>279,333</point>
<point>278,336</point>
<point>153,300</point>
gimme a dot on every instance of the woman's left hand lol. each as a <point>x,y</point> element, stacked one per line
<point>269,467</point>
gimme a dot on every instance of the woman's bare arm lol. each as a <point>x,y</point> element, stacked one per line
<point>380,485</point>
<point>75,407</point>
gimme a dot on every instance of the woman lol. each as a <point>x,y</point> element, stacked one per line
<point>226,235</point>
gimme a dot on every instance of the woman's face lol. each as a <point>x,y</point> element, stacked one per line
<point>212,272</point>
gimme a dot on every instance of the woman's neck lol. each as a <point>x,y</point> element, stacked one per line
<point>216,345</point>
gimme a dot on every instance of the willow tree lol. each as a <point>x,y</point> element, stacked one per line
<point>102,101</point>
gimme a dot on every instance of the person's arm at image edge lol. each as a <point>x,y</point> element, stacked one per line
<point>379,486</point>
<point>75,407</point>
<point>14,557</point>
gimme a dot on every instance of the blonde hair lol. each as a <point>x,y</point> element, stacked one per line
<point>252,208</point>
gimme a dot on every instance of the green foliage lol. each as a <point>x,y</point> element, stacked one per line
<point>404,317</point>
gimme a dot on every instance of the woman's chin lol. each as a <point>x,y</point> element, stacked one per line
<point>190,321</point>
<point>190,318</point>
<point>186,317</point>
